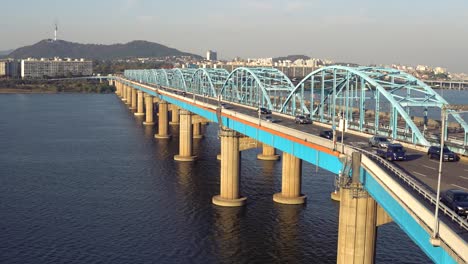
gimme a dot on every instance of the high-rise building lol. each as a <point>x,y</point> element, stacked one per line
<point>12,68</point>
<point>33,68</point>
<point>211,55</point>
<point>3,68</point>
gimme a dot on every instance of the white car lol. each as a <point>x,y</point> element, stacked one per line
<point>379,141</point>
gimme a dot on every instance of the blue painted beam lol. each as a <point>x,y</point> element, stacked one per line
<point>404,220</point>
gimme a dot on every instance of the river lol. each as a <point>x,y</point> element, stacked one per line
<point>83,181</point>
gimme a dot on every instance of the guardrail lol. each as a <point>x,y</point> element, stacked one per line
<point>427,194</point>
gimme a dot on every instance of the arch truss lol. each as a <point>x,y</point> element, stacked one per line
<point>371,99</point>
<point>208,82</point>
<point>258,87</point>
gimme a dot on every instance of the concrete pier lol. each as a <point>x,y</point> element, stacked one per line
<point>140,104</point>
<point>149,121</point>
<point>126,92</point>
<point>357,227</point>
<point>230,170</point>
<point>185,138</point>
<point>290,182</point>
<point>134,99</point>
<point>129,96</point>
<point>197,130</point>
<point>268,153</point>
<point>117,88</point>
<point>163,126</point>
<point>175,120</point>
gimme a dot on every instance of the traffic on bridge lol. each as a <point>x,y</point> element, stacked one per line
<point>363,101</point>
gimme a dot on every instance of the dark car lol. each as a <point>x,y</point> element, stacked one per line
<point>456,200</point>
<point>300,119</point>
<point>269,118</point>
<point>326,134</point>
<point>434,153</point>
<point>225,106</point>
<point>264,111</point>
<point>392,152</point>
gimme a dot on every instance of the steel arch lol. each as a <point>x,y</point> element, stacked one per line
<point>208,82</point>
<point>343,83</point>
<point>256,87</point>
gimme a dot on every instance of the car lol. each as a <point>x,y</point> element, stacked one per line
<point>300,119</point>
<point>457,200</point>
<point>326,134</point>
<point>392,152</point>
<point>269,118</point>
<point>225,106</point>
<point>434,153</point>
<point>264,111</point>
<point>379,141</point>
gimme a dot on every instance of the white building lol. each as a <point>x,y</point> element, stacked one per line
<point>33,68</point>
<point>3,68</point>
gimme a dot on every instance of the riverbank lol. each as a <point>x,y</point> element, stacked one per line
<point>9,86</point>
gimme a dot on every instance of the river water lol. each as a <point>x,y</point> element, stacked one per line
<point>82,181</point>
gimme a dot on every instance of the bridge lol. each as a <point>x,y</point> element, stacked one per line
<point>451,85</point>
<point>371,191</point>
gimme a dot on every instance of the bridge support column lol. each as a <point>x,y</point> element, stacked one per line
<point>175,115</point>
<point>149,110</point>
<point>290,182</point>
<point>268,153</point>
<point>197,130</point>
<point>117,88</point>
<point>139,111</point>
<point>163,131</point>
<point>357,226</point>
<point>185,138</point>
<point>127,94</point>
<point>358,219</point>
<point>134,98</point>
<point>230,170</point>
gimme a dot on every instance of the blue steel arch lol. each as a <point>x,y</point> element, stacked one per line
<point>208,82</point>
<point>343,83</point>
<point>257,87</point>
<point>180,78</point>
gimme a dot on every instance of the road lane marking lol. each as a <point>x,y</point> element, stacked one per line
<point>429,167</point>
<point>434,161</point>
<point>466,178</point>
<point>419,174</point>
<point>465,170</point>
<point>460,187</point>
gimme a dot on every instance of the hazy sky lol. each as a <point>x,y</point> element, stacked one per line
<point>433,32</point>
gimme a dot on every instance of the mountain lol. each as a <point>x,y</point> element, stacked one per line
<point>291,58</point>
<point>5,52</point>
<point>64,49</point>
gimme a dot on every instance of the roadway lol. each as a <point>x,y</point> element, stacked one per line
<point>418,165</point>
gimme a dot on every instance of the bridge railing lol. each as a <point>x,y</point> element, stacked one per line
<point>426,193</point>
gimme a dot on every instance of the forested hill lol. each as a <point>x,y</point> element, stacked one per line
<point>64,49</point>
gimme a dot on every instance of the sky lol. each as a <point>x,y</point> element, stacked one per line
<point>409,32</point>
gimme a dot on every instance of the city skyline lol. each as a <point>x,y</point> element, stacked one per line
<point>421,32</point>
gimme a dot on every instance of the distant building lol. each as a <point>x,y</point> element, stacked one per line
<point>12,69</point>
<point>211,55</point>
<point>3,68</point>
<point>45,68</point>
